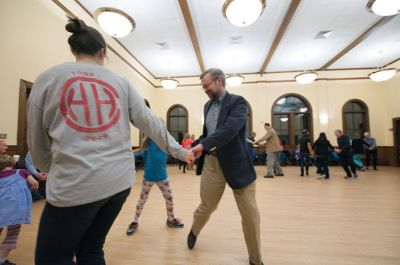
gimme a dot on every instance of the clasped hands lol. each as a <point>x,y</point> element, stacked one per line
<point>194,153</point>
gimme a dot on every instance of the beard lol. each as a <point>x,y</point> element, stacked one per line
<point>213,95</point>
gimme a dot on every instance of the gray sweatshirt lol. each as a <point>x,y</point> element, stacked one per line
<point>79,117</point>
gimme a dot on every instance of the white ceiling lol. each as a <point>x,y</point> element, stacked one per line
<point>160,21</point>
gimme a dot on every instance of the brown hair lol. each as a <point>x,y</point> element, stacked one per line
<point>84,39</point>
<point>215,74</point>
<point>6,161</point>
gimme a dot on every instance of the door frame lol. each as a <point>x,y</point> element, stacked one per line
<point>396,141</point>
<point>24,91</point>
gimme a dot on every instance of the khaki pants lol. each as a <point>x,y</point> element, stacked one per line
<point>212,187</point>
<point>273,164</point>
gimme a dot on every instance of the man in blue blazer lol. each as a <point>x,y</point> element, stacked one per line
<point>223,158</point>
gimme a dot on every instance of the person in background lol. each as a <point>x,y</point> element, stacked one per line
<point>187,144</point>
<point>371,150</point>
<point>321,150</point>
<point>155,172</point>
<point>357,145</point>
<point>79,116</point>
<point>39,176</point>
<point>345,155</point>
<point>272,147</point>
<point>296,155</point>
<point>15,204</point>
<point>305,151</point>
<point>3,147</point>
<point>282,155</point>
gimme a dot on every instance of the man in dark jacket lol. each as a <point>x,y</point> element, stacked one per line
<point>223,158</point>
<point>345,155</point>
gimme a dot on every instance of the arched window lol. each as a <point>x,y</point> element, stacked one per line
<point>355,118</point>
<point>290,115</point>
<point>249,121</point>
<point>177,121</point>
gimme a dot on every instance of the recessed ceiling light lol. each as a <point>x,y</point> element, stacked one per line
<point>234,80</point>
<point>382,75</point>
<point>114,21</point>
<point>169,83</point>
<point>305,78</point>
<point>242,13</point>
<point>384,7</point>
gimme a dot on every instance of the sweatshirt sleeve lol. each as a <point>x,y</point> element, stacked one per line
<point>145,120</point>
<point>39,141</point>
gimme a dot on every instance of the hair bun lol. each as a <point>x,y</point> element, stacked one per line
<point>75,25</point>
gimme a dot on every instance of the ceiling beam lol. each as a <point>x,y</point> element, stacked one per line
<point>279,35</point>
<point>192,32</point>
<point>392,62</point>
<point>357,41</point>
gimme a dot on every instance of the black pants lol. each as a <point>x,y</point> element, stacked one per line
<point>322,165</point>
<point>79,230</point>
<point>304,162</point>
<point>346,160</point>
<point>374,153</point>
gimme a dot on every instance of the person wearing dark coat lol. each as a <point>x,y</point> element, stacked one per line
<point>345,154</point>
<point>321,149</point>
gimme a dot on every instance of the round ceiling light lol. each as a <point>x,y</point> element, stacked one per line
<point>114,22</point>
<point>284,119</point>
<point>234,80</point>
<point>384,7</point>
<point>382,75</point>
<point>169,83</point>
<point>306,77</point>
<point>242,13</point>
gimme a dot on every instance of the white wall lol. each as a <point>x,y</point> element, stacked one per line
<point>34,39</point>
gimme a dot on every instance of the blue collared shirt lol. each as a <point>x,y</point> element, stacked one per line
<point>29,164</point>
<point>213,114</point>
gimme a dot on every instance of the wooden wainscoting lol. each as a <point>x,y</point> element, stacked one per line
<point>387,156</point>
<point>12,150</point>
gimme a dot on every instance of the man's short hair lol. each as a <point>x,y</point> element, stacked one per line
<point>215,74</point>
<point>338,130</point>
<point>267,124</point>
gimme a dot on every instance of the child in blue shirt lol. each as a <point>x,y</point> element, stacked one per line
<point>15,204</point>
<point>155,172</point>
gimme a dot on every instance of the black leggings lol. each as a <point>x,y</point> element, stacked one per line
<point>79,230</point>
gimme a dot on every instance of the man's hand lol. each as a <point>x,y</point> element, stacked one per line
<point>198,150</point>
<point>189,158</point>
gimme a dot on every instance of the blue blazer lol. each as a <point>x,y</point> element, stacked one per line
<point>228,142</point>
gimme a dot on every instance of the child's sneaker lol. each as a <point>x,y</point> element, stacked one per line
<point>131,228</point>
<point>7,262</point>
<point>176,223</point>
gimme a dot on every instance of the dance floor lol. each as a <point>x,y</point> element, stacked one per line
<point>304,221</point>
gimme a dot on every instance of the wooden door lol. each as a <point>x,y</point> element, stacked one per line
<point>24,91</point>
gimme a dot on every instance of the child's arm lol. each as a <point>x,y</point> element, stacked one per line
<point>33,182</point>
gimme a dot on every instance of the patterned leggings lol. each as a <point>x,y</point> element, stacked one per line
<point>167,193</point>
<point>10,242</point>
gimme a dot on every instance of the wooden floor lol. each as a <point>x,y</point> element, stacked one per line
<point>303,221</point>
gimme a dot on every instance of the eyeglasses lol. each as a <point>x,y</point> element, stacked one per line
<point>206,86</point>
